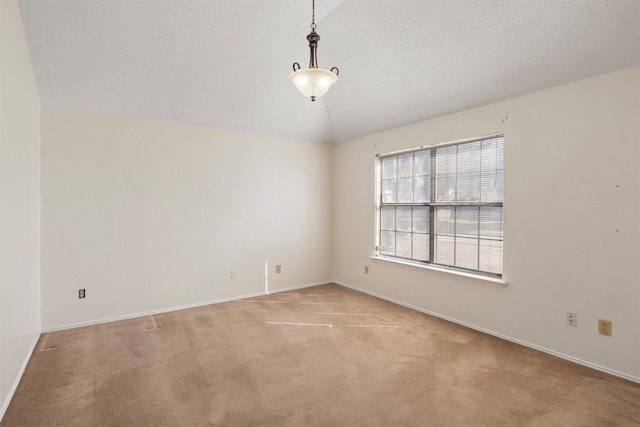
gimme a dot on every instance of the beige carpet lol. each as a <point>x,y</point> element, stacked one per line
<point>321,356</point>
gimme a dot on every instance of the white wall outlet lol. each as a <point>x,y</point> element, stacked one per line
<point>278,269</point>
<point>572,318</point>
<point>233,274</point>
<point>366,269</point>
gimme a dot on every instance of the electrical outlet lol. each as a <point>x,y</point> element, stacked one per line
<point>233,274</point>
<point>81,293</point>
<point>278,269</point>
<point>366,269</point>
<point>572,318</point>
<point>604,327</point>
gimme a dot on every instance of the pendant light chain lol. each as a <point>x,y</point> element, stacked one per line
<point>313,15</point>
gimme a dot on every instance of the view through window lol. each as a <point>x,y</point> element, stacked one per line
<point>443,205</point>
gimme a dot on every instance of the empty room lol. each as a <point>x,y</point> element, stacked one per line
<point>320,213</point>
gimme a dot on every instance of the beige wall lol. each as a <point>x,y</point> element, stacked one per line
<point>571,220</point>
<point>148,216</point>
<point>19,203</point>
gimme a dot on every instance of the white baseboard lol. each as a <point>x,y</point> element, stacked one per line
<point>504,337</point>
<point>14,387</point>
<point>182,307</point>
<point>293,288</point>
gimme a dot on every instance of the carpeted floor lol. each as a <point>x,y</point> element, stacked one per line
<point>321,356</point>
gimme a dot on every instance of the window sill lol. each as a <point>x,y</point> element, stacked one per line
<point>483,280</point>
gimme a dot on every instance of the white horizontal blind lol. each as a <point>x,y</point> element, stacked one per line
<point>444,205</point>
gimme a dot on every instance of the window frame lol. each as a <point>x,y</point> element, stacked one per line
<point>486,277</point>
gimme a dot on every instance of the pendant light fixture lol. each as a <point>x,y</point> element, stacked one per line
<point>313,82</point>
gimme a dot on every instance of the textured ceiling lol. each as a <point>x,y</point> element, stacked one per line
<point>225,64</point>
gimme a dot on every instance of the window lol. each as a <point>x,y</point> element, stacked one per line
<point>443,205</point>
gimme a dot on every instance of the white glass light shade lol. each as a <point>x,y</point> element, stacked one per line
<point>313,82</point>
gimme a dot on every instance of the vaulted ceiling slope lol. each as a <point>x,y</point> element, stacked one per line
<point>225,64</point>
